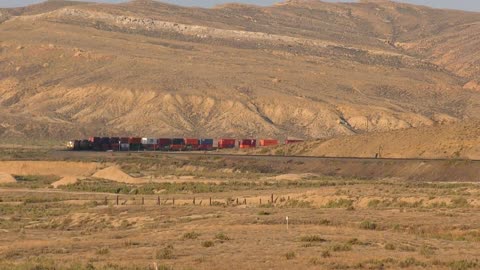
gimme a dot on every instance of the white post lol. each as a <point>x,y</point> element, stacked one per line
<point>287,222</point>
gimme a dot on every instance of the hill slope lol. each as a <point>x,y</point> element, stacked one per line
<point>301,68</point>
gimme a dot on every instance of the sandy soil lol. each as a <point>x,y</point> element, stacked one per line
<point>114,173</point>
<point>6,178</point>
<point>59,168</point>
<point>67,180</point>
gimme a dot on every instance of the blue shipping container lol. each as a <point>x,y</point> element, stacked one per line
<point>206,141</point>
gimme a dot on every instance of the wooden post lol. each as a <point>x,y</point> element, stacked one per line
<point>173,201</point>
<point>245,201</point>
<point>143,200</point>
<point>117,200</point>
<point>237,201</point>
<point>272,199</point>
<point>260,201</point>
<point>106,200</point>
<point>210,201</point>
<point>193,200</point>
<point>158,200</point>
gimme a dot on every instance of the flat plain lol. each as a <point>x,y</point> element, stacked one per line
<point>181,211</point>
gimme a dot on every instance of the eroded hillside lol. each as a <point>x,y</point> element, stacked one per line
<point>301,68</point>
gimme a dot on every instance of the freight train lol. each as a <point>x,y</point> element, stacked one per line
<point>168,144</point>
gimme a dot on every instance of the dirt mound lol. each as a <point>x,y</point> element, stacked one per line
<point>114,173</point>
<point>6,178</point>
<point>67,180</point>
<point>59,168</point>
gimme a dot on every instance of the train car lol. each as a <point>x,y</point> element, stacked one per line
<point>164,144</point>
<point>268,142</point>
<point>73,145</point>
<point>115,143</point>
<point>206,144</point>
<point>95,143</point>
<point>105,144</point>
<point>149,144</point>
<point>226,143</point>
<point>135,143</point>
<point>85,145</point>
<point>191,144</point>
<point>178,144</point>
<point>124,145</point>
<point>247,143</point>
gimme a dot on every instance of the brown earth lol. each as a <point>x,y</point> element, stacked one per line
<point>452,141</point>
<point>301,68</point>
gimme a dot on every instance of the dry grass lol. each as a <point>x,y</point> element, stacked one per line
<point>393,224</point>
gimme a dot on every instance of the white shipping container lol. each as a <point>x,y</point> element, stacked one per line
<point>124,147</point>
<point>149,141</point>
<point>215,143</point>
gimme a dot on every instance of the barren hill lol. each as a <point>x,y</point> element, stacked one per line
<point>454,141</point>
<point>300,68</point>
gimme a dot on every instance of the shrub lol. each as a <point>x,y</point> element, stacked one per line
<point>102,251</point>
<point>326,254</point>
<point>409,262</point>
<point>222,237</point>
<point>207,244</point>
<point>340,203</point>
<point>191,235</point>
<point>312,238</point>
<point>368,225</point>
<point>165,253</point>
<point>341,247</point>
<point>390,246</point>
<point>290,255</point>
<point>264,213</point>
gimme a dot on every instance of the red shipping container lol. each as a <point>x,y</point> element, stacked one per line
<point>268,142</point>
<point>247,143</point>
<point>190,141</point>
<point>226,143</point>
<point>134,140</point>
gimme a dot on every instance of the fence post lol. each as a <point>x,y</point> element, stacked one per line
<point>245,201</point>
<point>106,200</point>
<point>272,199</point>
<point>173,201</point>
<point>143,200</point>
<point>237,201</point>
<point>210,201</point>
<point>117,199</point>
<point>158,200</point>
<point>193,200</point>
<point>260,201</point>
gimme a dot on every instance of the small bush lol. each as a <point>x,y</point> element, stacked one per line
<point>312,238</point>
<point>368,225</point>
<point>222,237</point>
<point>427,251</point>
<point>341,247</point>
<point>326,254</point>
<point>290,255</point>
<point>207,244</point>
<point>264,213</point>
<point>390,246</point>
<point>102,251</point>
<point>191,235</point>
<point>460,202</point>
<point>165,253</point>
<point>464,265</point>
<point>340,203</point>
<point>409,262</point>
